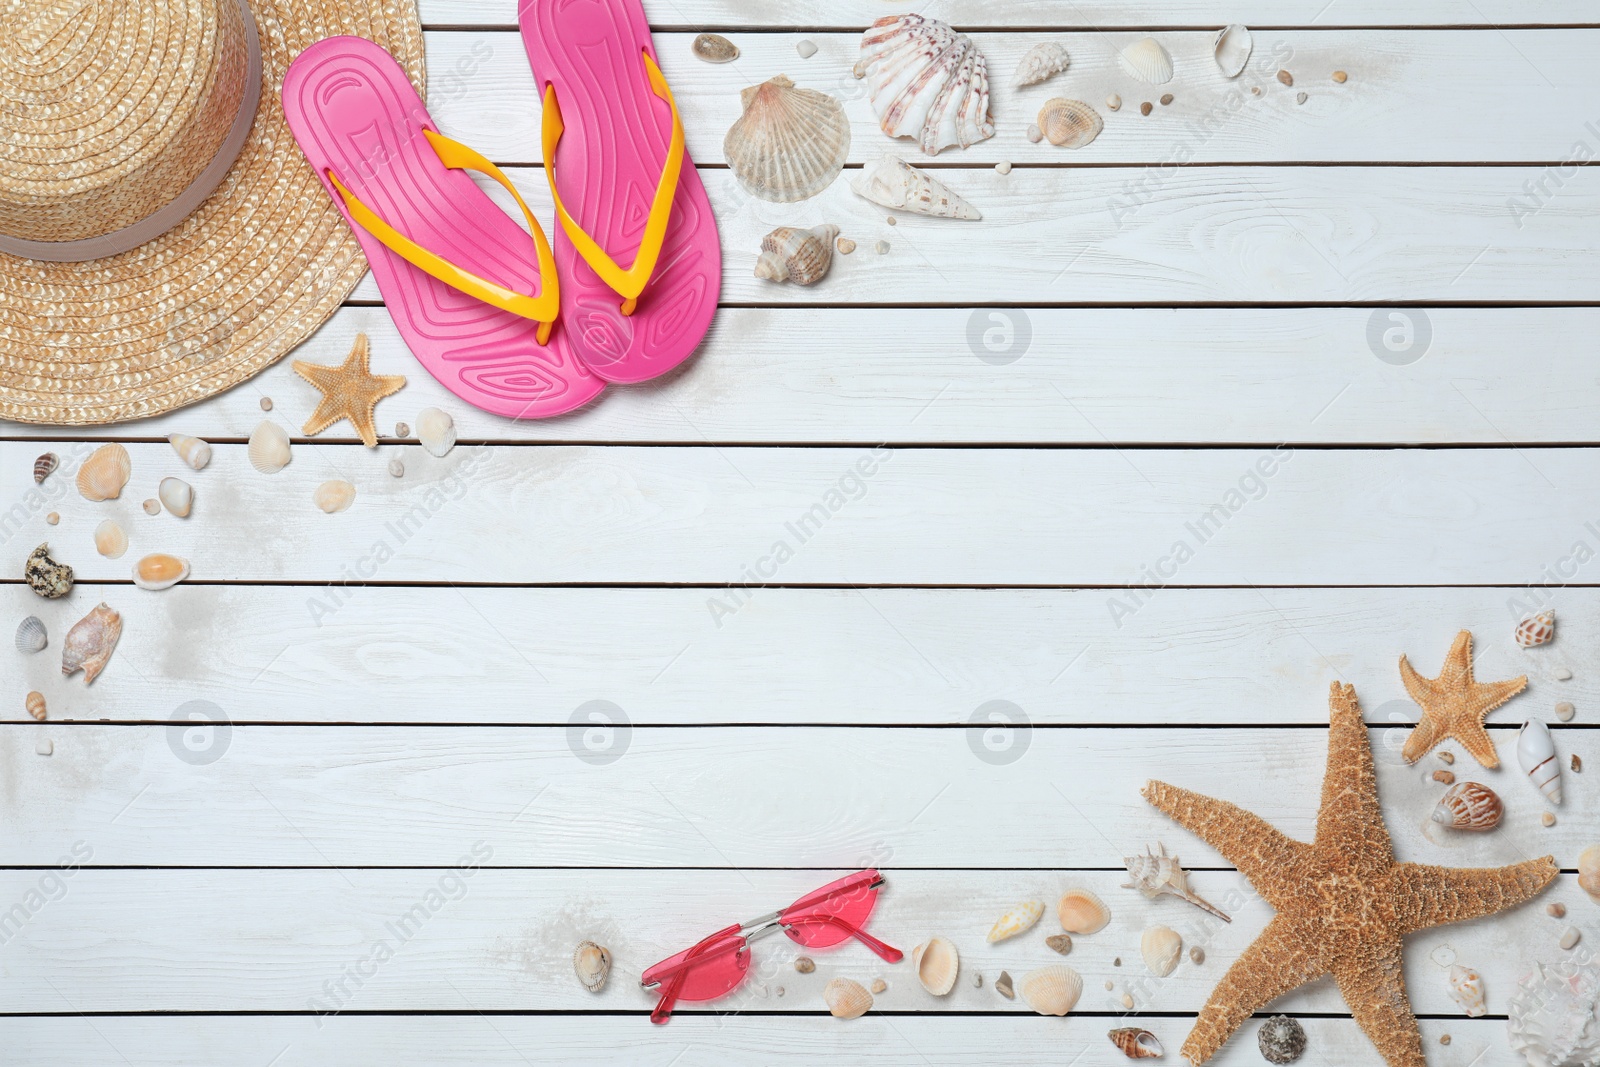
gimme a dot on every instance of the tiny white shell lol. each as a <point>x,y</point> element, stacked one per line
<point>31,635</point>
<point>846,999</point>
<point>436,430</point>
<point>269,448</point>
<point>1051,990</point>
<point>1231,49</point>
<point>177,496</point>
<point>1536,754</point>
<point>110,539</point>
<point>1466,989</point>
<point>1146,60</point>
<point>937,963</point>
<point>334,496</point>
<point>1161,946</point>
<point>195,452</point>
<point>1018,920</point>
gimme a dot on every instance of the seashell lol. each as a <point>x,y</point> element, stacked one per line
<point>45,576</point>
<point>804,964</point>
<point>160,571</point>
<point>269,448</point>
<point>1042,61</point>
<point>1018,920</point>
<point>53,517</point>
<point>31,635</point>
<point>1537,629</point>
<point>193,451</point>
<point>1081,912</point>
<point>793,255</point>
<point>1570,938</point>
<point>789,144</point>
<point>1555,909</point>
<point>34,702</point>
<point>1553,1019</point>
<point>937,963</point>
<point>1069,123</point>
<point>713,48</point>
<point>1565,711</point>
<point>397,468</point>
<point>1282,1039</point>
<point>1469,806</point>
<point>334,496</point>
<point>1136,1044</point>
<point>110,539</point>
<point>1589,871</point>
<point>845,246</point>
<point>402,430</point>
<point>43,466</point>
<point>1231,49</point>
<point>1285,77</point>
<point>926,81</point>
<point>846,999</point>
<point>807,49</point>
<point>436,430</point>
<point>1161,947</point>
<point>1154,874</point>
<point>1114,102</point>
<point>89,644</point>
<point>1061,943</point>
<point>104,473</point>
<point>152,506</point>
<point>1004,987</point>
<point>879,985</point>
<point>1197,955</point>
<point>895,183</point>
<point>177,495</point>
<point>1052,989</point>
<point>1466,989</point>
<point>1146,60</point>
<point>1536,753</point>
<point>1447,777</point>
<point>592,963</point>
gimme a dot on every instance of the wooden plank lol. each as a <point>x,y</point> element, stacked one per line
<point>1412,96</point>
<point>726,797</point>
<point>742,517</point>
<point>501,940</point>
<point>796,656</point>
<point>1023,375</point>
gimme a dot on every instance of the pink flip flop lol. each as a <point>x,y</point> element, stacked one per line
<point>472,294</point>
<point>625,189</point>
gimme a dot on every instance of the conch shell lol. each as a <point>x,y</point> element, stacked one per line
<point>1018,920</point>
<point>896,184</point>
<point>789,144</point>
<point>1537,629</point>
<point>1043,60</point>
<point>1156,873</point>
<point>1136,1044</point>
<point>793,255</point>
<point>90,642</point>
<point>926,81</point>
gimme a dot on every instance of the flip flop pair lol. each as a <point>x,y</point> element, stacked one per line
<point>502,319</point>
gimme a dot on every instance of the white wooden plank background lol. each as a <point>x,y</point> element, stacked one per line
<point>1184,321</point>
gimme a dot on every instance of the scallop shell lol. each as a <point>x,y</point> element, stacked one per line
<point>104,473</point>
<point>1081,912</point>
<point>1466,989</point>
<point>592,963</point>
<point>794,255</point>
<point>1589,871</point>
<point>43,466</point>
<point>896,184</point>
<point>90,642</point>
<point>1051,990</point>
<point>110,539</point>
<point>1231,49</point>
<point>1156,873</point>
<point>846,999</point>
<point>1161,947</point>
<point>31,635</point>
<point>1536,753</point>
<point>45,576</point>
<point>269,448</point>
<point>34,702</point>
<point>1146,60</point>
<point>334,496</point>
<point>789,144</point>
<point>177,496</point>
<point>1069,123</point>
<point>1136,1044</point>
<point>436,431</point>
<point>926,81</point>
<point>714,48</point>
<point>193,451</point>
<point>1553,1019</point>
<point>1469,806</point>
<point>937,963</point>
<point>1537,629</point>
<point>1042,61</point>
<point>160,571</point>
<point>1019,919</point>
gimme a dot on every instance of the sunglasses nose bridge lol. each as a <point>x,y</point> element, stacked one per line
<point>761,927</point>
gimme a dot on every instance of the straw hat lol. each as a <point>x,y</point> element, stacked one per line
<point>161,236</point>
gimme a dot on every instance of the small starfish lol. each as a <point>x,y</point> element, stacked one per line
<point>1343,904</point>
<point>1454,705</point>
<point>349,391</point>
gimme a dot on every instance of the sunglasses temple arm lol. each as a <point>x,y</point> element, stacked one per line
<point>888,952</point>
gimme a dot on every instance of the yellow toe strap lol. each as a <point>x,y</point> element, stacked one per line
<point>457,156</point>
<point>631,282</point>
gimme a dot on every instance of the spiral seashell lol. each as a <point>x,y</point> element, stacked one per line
<point>592,963</point>
<point>110,539</point>
<point>334,496</point>
<point>1231,49</point>
<point>1537,629</point>
<point>43,466</point>
<point>1469,806</point>
<point>1536,754</point>
<point>1589,871</point>
<point>1466,989</point>
<point>794,255</point>
<point>89,644</point>
<point>926,81</point>
<point>1042,61</point>
<point>1081,912</point>
<point>34,702</point>
<point>1018,920</point>
<point>1161,946</point>
<point>937,963</point>
<point>45,576</point>
<point>1553,1019</point>
<point>193,451</point>
<point>269,448</point>
<point>160,571</point>
<point>1069,123</point>
<point>896,184</point>
<point>714,48</point>
<point>31,635</point>
<point>104,473</point>
<point>1155,874</point>
<point>436,431</point>
<point>176,495</point>
<point>1146,60</point>
<point>1051,990</point>
<point>1282,1039</point>
<point>1136,1044</point>
<point>789,144</point>
<point>846,999</point>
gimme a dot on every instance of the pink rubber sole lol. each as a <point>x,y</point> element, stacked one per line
<point>607,166</point>
<point>352,110</point>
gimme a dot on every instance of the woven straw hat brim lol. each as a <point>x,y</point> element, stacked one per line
<point>232,289</point>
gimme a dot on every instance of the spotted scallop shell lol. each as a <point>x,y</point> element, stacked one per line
<point>1018,920</point>
<point>926,81</point>
<point>789,144</point>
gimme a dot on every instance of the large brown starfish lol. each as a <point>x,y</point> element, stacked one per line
<point>1455,705</point>
<point>1344,905</point>
<point>349,391</point>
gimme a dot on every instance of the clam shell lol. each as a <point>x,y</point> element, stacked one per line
<point>592,964</point>
<point>45,576</point>
<point>104,473</point>
<point>1231,49</point>
<point>1043,60</point>
<point>269,448</point>
<point>34,702</point>
<point>1537,629</point>
<point>926,81</point>
<point>110,539</point>
<point>937,963</point>
<point>1553,1019</point>
<point>159,571</point>
<point>176,496</point>
<point>334,496</point>
<point>1589,871</point>
<point>31,635</point>
<point>896,184</point>
<point>436,431</point>
<point>794,255</point>
<point>1069,123</point>
<point>43,466</point>
<point>789,144</point>
<point>1161,947</point>
<point>714,48</point>
<point>193,451</point>
<point>1136,1044</point>
<point>1051,990</point>
<point>89,644</point>
<point>1081,912</point>
<point>846,999</point>
<point>1536,754</point>
<point>1147,60</point>
<point>1469,806</point>
<point>1466,989</point>
<point>1018,920</point>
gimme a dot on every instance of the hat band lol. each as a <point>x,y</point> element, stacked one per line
<point>180,207</point>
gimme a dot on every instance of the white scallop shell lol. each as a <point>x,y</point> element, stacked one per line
<point>926,81</point>
<point>1082,912</point>
<point>269,448</point>
<point>1466,989</point>
<point>1018,920</point>
<point>177,496</point>
<point>1042,61</point>
<point>896,184</point>
<point>1536,754</point>
<point>789,144</point>
<point>104,473</point>
<point>1553,1019</point>
<point>195,452</point>
<point>1161,946</point>
<point>436,430</point>
<point>110,539</point>
<point>1051,990</point>
<point>1231,49</point>
<point>937,963</point>
<point>846,999</point>
<point>1146,60</point>
<point>334,496</point>
<point>31,635</point>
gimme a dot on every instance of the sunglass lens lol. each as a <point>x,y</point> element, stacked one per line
<point>829,915</point>
<point>707,971</point>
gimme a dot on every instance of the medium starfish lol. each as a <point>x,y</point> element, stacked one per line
<point>349,391</point>
<point>1454,705</point>
<point>1344,905</point>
